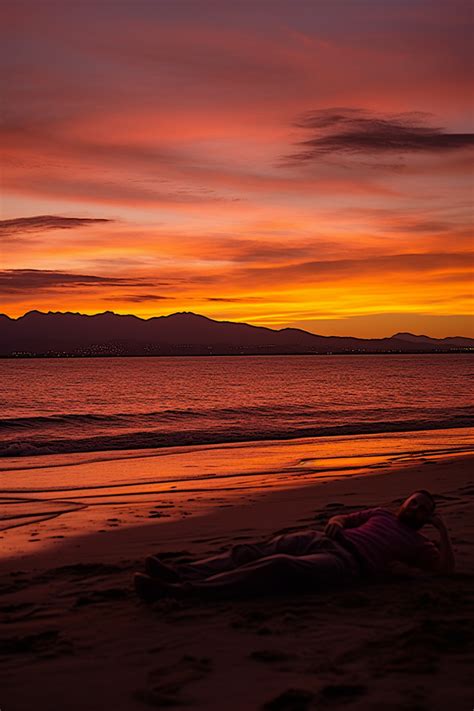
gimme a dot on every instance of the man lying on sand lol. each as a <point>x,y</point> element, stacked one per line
<point>353,546</point>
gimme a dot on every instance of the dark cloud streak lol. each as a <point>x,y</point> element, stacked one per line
<point>139,298</point>
<point>40,223</point>
<point>236,300</point>
<point>356,131</point>
<point>17,281</point>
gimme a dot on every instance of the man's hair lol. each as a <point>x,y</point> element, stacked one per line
<point>428,494</point>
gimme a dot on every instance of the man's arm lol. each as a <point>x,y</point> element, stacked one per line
<point>336,523</point>
<point>446,554</point>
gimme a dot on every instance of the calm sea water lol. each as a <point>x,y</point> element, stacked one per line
<point>53,406</point>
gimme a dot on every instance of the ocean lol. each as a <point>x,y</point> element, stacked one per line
<point>62,406</point>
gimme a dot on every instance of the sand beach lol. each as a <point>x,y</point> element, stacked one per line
<point>75,635</point>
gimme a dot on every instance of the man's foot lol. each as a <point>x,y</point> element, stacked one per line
<point>151,589</point>
<point>156,569</point>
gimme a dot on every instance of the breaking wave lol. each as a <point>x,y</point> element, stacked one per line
<point>69,433</point>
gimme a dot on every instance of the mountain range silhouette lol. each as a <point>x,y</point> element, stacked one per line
<point>38,334</point>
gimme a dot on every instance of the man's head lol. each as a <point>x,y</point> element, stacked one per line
<point>417,509</point>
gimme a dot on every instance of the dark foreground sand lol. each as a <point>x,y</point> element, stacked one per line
<point>74,636</point>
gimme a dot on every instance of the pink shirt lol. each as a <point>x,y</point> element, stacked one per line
<point>381,538</point>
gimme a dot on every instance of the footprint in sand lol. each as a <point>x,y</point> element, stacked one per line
<point>167,685</point>
<point>342,692</point>
<point>98,596</point>
<point>17,612</point>
<point>46,644</point>
<point>291,700</point>
<point>271,656</point>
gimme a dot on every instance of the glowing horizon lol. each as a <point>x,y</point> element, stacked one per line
<point>301,167</point>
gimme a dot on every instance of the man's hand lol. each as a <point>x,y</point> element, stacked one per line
<point>437,522</point>
<point>333,528</point>
<point>446,561</point>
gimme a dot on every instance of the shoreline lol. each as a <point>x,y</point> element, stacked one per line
<point>146,440</point>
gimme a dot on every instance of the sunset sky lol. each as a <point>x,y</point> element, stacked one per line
<point>285,163</point>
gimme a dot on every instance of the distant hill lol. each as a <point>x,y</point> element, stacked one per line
<point>451,341</point>
<point>38,334</point>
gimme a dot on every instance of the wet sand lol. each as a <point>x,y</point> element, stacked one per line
<point>75,636</point>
